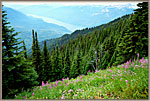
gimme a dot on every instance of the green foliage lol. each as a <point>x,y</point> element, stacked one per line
<point>135,36</point>
<point>25,51</point>
<point>47,65</point>
<point>37,57</point>
<point>113,83</point>
<point>17,72</point>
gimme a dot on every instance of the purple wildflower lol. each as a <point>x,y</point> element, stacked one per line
<point>126,66</point>
<point>43,83</point>
<point>62,96</point>
<point>145,61</point>
<point>126,81</point>
<point>110,70</point>
<point>102,86</point>
<point>142,65</point>
<point>33,94</point>
<point>24,97</point>
<point>47,83</point>
<point>80,77</point>
<point>77,80</point>
<point>80,90</point>
<point>130,61</point>
<point>70,90</point>
<point>138,54</point>
<point>56,83</point>
<point>50,85</point>
<point>127,63</point>
<point>132,64</point>
<point>53,85</point>
<point>60,84</point>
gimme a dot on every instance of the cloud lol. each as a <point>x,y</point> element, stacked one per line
<point>95,14</point>
<point>105,10</point>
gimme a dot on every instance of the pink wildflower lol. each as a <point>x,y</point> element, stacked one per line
<point>33,94</point>
<point>62,96</point>
<point>47,83</point>
<point>110,70</point>
<point>80,90</point>
<point>67,78</point>
<point>126,81</point>
<point>56,83</point>
<point>145,61</point>
<point>50,85</point>
<point>142,58</point>
<point>53,85</point>
<point>130,61</point>
<point>142,65</point>
<point>60,84</point>
<point>24,97</point>
<point>43,83</point>
<point>132,64</point>
<point>77,80</point>
<point>127,63</point>
<point>75,95</point>
<point>80,77</point>
<point>138,55</point>
<point>40,87</point>
<point>102,86</point>
<point>70,90</point>
<point>62,79</point>
<point>126,66</point>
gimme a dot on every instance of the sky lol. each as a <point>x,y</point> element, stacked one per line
<point>73,3</point>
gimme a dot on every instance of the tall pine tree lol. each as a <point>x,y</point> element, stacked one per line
<point>17,72</point>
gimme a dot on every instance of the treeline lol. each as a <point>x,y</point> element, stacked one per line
<point>112,44</point>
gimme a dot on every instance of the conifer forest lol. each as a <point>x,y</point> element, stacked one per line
<point>109,61</point>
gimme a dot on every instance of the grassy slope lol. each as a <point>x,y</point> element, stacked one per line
<point>112,83</point>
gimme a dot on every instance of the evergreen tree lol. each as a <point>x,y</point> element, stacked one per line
<point>25,51</point>
<point>135,37</point>
<point>33,50</point>
<point>67,63</point>
<point>37,57</point>
<point>46,63</point>
<point>16,71</point>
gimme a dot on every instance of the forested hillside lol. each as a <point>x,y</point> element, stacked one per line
<point>51,43</point>
<point>91,49</point>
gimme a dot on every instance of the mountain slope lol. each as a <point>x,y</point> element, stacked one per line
<point>25,24</point>
<point>51,43</point>
<point>113,83</point>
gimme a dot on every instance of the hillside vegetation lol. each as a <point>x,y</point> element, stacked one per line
<point>126,81</point>
<point>95,50</point>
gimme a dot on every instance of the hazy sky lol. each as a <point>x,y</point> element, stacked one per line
<point>74,3</point>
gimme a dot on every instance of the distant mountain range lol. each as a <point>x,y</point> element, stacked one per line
<point>24,24</point>
<point>83,16</point>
